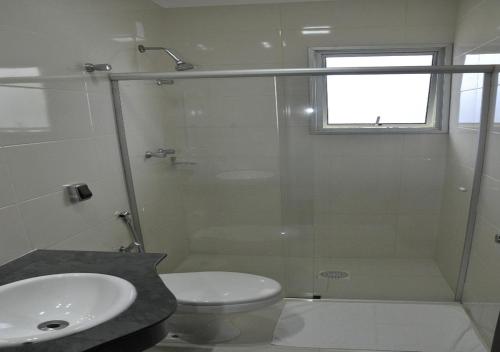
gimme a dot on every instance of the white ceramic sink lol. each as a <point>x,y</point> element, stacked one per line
<point>53,306</point>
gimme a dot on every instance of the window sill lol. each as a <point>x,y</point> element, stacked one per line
<point>378,130</point>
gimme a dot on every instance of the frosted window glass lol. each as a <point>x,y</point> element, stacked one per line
<point>361,99</point>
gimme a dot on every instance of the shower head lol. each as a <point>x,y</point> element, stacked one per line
<point>180,65</point>
<point>183,66</point>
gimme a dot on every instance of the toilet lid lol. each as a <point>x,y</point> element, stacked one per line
<point>220,288</point>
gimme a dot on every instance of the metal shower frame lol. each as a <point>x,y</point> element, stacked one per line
<point>490,87</point>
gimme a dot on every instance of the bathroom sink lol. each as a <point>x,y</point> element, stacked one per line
<point>49,307</point>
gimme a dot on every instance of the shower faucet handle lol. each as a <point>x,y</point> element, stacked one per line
<point>160,153</point>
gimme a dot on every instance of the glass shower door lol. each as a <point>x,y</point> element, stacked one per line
<point>225,200</point>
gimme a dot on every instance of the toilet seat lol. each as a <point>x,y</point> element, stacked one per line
<point>216,292</point>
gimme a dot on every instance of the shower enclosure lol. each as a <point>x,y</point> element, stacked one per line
<point>224,174</point>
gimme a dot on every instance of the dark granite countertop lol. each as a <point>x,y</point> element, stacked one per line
<point>137,328</point>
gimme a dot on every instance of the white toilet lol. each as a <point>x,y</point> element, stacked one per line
<point>205,300</point>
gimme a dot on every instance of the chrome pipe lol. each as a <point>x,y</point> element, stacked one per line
<point>127,169</point>
<point>180,64</point>
<point>169,52</point>
<point>144,76</point>
<point>126,217</point>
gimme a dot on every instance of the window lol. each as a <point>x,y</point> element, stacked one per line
<point>383,103</point>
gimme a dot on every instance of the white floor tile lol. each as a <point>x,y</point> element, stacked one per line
<point>365,325</point>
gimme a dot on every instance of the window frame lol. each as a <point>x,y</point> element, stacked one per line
<point>437,105</point>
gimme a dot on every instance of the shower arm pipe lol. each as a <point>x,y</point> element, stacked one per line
<point>138,76</point>
<point>167,50</point>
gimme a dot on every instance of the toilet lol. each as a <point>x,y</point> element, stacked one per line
<point>206,301</point>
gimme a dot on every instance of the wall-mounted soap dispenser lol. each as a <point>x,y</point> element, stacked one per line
<point>78,192</point>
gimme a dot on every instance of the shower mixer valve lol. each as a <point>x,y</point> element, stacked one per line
<point>160,153</point>
<point>97,67</point>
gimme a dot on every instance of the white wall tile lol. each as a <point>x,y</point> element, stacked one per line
<point>110,236</point>
<point>33,52</point>
<point>453,220</point>
<point>417,234</point>
<point>221,48</point>
<point>425,145</point>
<point>50,115</point>
<point>421,184</point>
<point>15,241</point>
<point>51,218</point>
<point>300,276</point>
<point>357,235</point>
<point>431,12</point>
<point>465,6</point>
<point>7,194</point>
<point>221,18</point>
<point>389,146</point>
<point>298,16</point>
<point>492,165</point>
<point>102,114</point>
<point>370,184</point>
<point>42,168</point>
<point>429,34</point>
<point>478,26</point>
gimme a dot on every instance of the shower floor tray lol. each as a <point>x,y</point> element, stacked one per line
<point>376,326</point>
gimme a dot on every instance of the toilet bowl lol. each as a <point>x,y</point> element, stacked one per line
<point>206,300</point>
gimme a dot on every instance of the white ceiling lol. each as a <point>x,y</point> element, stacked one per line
<point>194,3</point>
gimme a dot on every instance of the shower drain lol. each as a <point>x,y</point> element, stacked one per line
<point>53,325</point>
<point>334,274</point>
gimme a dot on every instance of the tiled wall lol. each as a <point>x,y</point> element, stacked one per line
<point>61,130</point>
<point>333,197</point>
<point>385,192</point>
<point>150,115</point>
<point>274,34</point>
<point>478,40</point>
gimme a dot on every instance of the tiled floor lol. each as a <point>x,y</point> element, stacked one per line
<point>379,279</point>
<point>393,279</point>
<point>402,327</point>
<point>257,333</point>
<point>383,326</point>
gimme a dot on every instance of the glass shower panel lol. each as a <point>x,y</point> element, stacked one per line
<point>151,114</point>
<point>232,196</point>
<point>482,289</point>
<point>463,139</point>
<point>251,189</point>
<point>217,203</point>
<point>371,211</point>
<point>297,183</point>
